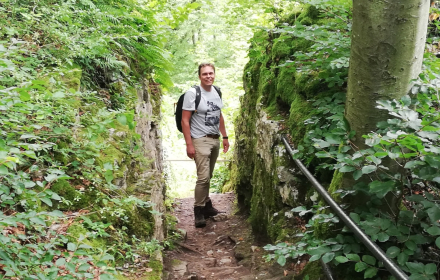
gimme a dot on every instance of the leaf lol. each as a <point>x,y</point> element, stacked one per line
<point>122,119</point>
<point>383,237</point>
<point>368,169</point>
<point>341,259</point>
<point>381,188</point>
<point>411,245</point>
<point>415,267</point>
<point>360,266</point>
<point>369,259</point>
<point>47,201</point>
<point>106,277</point>
<point>55,196</point>
<point>328,257</point>
<point>437,242</point>
<point>393,252</point>
<point>71,246</point>
<point>353,257</point>
<point>357,174</point>
<point>109,176</point>
<point>355,217</point>
<point>430,268</point>
<point>433,230</point>
<point>347,168</point>
<point>107,257</point>
<point>3,170</point>
<point>434,213</point>
<point>370,272</point>
<point>411,164</point>
<point>281,260</point>
<point>58,95</point>
<point>38,221</point>
<point>402,258</point>
<point>51,177</point>
<point>25,96</point>
<point>60,262</point>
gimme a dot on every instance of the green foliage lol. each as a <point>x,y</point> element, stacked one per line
<point>221,175</point>
<point>401,161</point>
<point>67,74</point>
<point>395,180</point>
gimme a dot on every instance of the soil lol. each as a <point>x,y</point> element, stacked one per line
<point>223,250</point>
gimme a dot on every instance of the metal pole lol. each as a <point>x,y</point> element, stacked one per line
<point>327,271</point>
<point>376,250</point>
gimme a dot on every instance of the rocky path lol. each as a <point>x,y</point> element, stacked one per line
<point>224,250</point>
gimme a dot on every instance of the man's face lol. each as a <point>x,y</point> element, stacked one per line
<point>207,76</point>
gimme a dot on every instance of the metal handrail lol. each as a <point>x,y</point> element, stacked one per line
<point>374,249</point>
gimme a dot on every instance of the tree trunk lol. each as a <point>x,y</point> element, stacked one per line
<point>388,40</point>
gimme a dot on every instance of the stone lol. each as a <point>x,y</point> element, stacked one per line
<point>220,217</point>
<point>225,261</point>
<point>180,268</point>
<point>211,262</point>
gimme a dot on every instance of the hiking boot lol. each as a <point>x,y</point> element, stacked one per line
<point>199,220</point>
<point>209,211</point>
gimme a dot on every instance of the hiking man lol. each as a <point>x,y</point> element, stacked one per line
<point>202,128</point>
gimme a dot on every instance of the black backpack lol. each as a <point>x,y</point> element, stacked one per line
<point>178,106</point>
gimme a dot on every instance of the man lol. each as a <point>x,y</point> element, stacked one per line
<point>201,129</point>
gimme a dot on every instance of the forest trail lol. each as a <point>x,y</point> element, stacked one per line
<point>223,250</point>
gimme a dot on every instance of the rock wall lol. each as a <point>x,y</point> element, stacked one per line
<point>276,102</point>
<point>148,128</point>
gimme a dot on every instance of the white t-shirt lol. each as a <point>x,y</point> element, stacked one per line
<point>207,118</point>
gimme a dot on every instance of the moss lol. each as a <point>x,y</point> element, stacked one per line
<point>72,78</point>
<point>336,184</point>
<point>281,49</point>
<point>64,158</point>
<point>157,267</point>
<point>76,231</point>
<point>138,221</point>
<point>78,200</point>
<point>313,270</point>
<point>300,44</point>
<point>309,15</point>
<point>285,85</point>
<point>300,110</point>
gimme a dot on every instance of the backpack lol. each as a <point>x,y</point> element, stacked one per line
<point>178,106</point>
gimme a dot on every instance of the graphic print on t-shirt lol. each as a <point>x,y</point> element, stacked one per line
<point>210,118</point>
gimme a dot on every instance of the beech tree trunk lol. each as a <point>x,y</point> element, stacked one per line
<point>388,40</point>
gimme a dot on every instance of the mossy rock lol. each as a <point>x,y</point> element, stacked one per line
<point>78,200</point>
<point>281,48</point>
<point>138,221</point>
<point>309,16</point>
<point>77,231</point>
<point>72,78</point>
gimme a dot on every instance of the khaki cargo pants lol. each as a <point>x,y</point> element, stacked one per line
<point>207,150</point>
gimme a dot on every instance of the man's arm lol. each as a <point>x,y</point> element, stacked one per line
<point>223,132</point>
<point>186,117</point>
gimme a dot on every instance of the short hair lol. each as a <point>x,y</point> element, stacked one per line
<point>204,64</point>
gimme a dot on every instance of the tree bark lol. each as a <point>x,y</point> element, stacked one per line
<point>388,40</point>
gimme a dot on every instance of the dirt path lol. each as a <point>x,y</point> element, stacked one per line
<point>224,250</point>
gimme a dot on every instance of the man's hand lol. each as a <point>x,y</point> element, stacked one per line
<point>190,151</point>
<point>225,145</point>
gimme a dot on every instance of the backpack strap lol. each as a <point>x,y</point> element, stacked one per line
<point>218,90</point>
<point>198,97</point>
